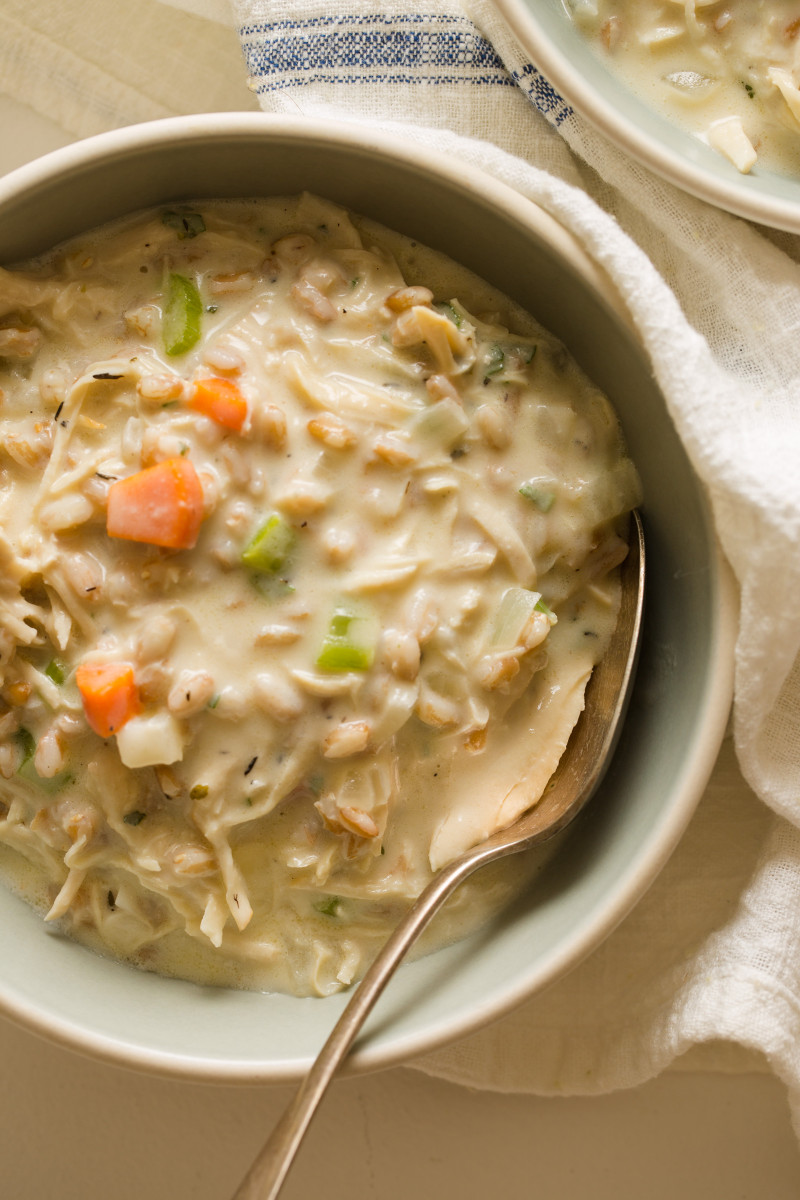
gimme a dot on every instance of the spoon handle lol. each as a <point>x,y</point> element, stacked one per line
<point>266,1176</point>
<point>573,782</point>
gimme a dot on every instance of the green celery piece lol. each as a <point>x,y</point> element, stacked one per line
<point>271,586</point>
<point>495,361</point>
<point>349,644</point>
<point>270,546</point>
<point>329,907</point>
<point>541,497</point>
<point>181,320</point>
<point>341,656</point>
<point>57,671</point>
<point>507,360</point>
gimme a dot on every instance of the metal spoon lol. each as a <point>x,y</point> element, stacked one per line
<point>578,773</point>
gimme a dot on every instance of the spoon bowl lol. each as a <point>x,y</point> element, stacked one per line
<point>573,783</point>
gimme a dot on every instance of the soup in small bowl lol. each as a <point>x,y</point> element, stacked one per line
<point>705,95</point>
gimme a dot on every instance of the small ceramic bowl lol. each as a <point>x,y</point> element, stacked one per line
<point>680,705</point>
<point>564,56</point>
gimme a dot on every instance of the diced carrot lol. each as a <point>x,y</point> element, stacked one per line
<point>221,400</point>
<point>162,505</point>
<point>109,694</point>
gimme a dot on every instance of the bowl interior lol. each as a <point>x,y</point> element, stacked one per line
<point>562,53</point>
<point>682,693</point>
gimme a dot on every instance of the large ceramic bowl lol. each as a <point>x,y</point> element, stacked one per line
<point>679,708</point>
<point>564,56</point>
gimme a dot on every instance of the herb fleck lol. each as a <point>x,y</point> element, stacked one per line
<point>185,224</point>
<point>27,744</point>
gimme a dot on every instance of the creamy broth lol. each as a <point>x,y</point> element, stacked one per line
<point>727,70</point>
<point>306,566</point>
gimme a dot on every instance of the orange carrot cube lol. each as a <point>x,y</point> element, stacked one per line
<point>221,400</point>
<point>162,505</point>
<point>109,694</point>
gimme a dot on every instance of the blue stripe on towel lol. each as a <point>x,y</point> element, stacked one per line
<point>413,48</point>
<point>542,94</point>
<point>351,49</point>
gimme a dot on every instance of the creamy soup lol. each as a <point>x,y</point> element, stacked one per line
<point>728,70</point>
<point>309,543</point>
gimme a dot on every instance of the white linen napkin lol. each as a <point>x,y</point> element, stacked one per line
<point>711,956</point>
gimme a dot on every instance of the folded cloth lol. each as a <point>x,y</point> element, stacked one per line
<point>711,956</point>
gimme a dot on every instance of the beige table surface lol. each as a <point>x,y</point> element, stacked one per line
<point>74,1129</point>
